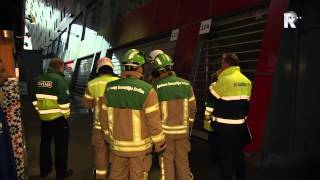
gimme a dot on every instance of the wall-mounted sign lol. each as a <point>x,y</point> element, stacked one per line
<point>174,35</point>
<point>205,26</point>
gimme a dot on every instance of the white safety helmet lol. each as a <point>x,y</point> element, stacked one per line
<point>104,62</point>
<point>153,54</point>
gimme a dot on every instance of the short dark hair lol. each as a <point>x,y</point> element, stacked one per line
<point>105,70</point>
<point>56,63</point>
<point>231,59</point>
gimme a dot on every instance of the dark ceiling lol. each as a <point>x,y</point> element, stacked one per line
<point>12,18</point>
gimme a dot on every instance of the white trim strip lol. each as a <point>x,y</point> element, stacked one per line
<point>192,99</point>
<point>105,107</point>
<point>209,109</point>
<point>65,111</point>
<point>229,121</point>
<point>158,137</point>
<point>132,148</point>
<point>67,105</point>
<point>175,132</point>
<point>35,103</point>
<point>88,96</point>
<point>182,127</point>
<point>162,170</point>
<point>49,111</point>
<point>151,108</point>
<point>101,172</point>
<point>213,92</point>
<point>241,97</point>
<point>45,96</point>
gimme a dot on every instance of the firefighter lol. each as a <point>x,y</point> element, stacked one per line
<point>178,109</point>
<point>53,105</point>
<point>94,91</point>
<point>131,112</point>
<point>228,103</point>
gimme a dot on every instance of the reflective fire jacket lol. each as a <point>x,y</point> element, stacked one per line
<point>131,112</point>
<point>52,96</point>
<point>178,105</point>
<point>228,101</point>
<point>94,91</point>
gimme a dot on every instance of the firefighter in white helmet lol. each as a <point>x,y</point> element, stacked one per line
<point>94,91</point>
<point>178,108</point>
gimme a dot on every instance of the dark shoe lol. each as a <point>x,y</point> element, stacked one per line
<point>45,174</point>
<point>69,173</point>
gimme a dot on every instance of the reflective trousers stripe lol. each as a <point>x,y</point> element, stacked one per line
<point>162,171</point>
<point>101,172</point>
<point>229,121</point>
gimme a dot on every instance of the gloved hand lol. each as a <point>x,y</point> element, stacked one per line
<point>160,149</point>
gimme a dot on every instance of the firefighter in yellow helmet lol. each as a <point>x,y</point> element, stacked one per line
<point>131,111</point>
<point>94,91</point>
<point>178,109</point>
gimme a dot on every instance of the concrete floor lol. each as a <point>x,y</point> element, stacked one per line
<point>81,152</point>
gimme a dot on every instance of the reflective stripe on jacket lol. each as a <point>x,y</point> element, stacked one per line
<point>229,97</point>
<point>177,104</point>
<point>52,96</point>
<point>131,110</point>
<point>94,91</point>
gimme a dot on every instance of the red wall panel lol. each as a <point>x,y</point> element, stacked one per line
<point>185,49</point>
<point>267,63</point>
<point>165,15</point>
<point>221,7</point>
<point>193,11</point>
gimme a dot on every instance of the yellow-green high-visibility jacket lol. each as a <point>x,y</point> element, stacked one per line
<point>94,91</point>
<point>52,96</point>
<point>228,100</point>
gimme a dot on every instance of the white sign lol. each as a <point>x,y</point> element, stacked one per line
<point>174,35</point>
<point>205,26</point>
<point>289,19</point>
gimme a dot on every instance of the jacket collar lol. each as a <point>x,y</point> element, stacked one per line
<point>55,71</point>
<point>131,74</point>
<point>229,71</point>
<point>166,74</point>
<point>106,75</point>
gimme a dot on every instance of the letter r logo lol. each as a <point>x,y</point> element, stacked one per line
<point>289,18</point>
